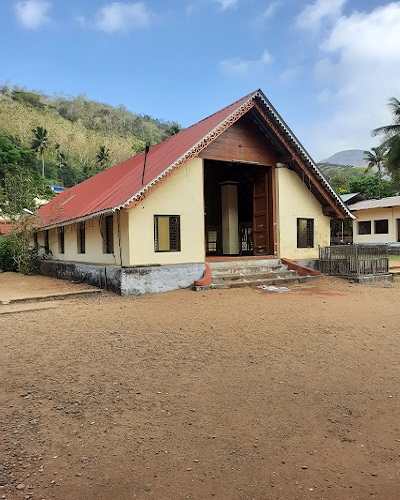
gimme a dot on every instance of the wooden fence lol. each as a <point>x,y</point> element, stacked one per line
<point>354,260</point>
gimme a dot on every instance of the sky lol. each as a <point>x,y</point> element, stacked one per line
<point>329,67</point>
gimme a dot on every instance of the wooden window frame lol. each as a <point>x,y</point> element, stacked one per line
<point>61,239</point>
<point>364,227</point>
<point>381,226</point>
<point>305,237</point>
<point>174,233</point>
<point>107,234</point>
<point>81,237</point>
<point>46,242</point>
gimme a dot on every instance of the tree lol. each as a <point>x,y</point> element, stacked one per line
<point>138,146</point>
<point>339,176</point>
<point>376,158</point>
<point>14,157</point>
<point>372,187</point>
<point>17,196</point>
<point>391,134</point>
<point>39,143</point>
<point>173,129</point>
<point>29,98</point>
<point>103,157</point>
<point>66,175</point>
<point>20,186</point>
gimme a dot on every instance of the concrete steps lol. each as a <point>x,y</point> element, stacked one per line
<point>252,273</point>
<point>395,270</point>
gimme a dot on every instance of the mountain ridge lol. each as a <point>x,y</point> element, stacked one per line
<point>353,157</point>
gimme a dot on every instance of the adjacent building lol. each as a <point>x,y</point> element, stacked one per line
<point>378,221</point>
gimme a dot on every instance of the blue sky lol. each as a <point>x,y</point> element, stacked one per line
<point>328,66</point>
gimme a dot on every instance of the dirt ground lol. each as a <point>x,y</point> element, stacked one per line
<point>233,394</point>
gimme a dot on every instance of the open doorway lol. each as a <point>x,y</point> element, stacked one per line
<point>238,201</point>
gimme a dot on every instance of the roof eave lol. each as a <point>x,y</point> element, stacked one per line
<point>303,152</point>
<point>76,220</point>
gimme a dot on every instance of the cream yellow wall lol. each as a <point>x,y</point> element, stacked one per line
<point>295,201</point>
<point>391,214</point>
<point>94,247</point>
<point>181,195</point>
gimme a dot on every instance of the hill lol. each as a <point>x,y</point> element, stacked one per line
<point>84,136</point>
<point>353,157</point>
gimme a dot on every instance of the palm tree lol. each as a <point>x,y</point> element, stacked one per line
<point>391,135</point>
<point>39,143</point>
<point>103,157</point>
<point>376,158</point>
<point>62,162</point>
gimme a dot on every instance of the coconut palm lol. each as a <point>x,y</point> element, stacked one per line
<point>376,158</point>
<point>39,143</point>
<point>103,157</point>
<point>391,134</point>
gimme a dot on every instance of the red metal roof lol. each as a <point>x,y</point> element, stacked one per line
<point>5,227</point>
<point>117,186</point>
<point>121,185</point>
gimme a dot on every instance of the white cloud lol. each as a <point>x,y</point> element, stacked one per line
<point>325,96</point>
<point>290,74</point>
<point>270,10</point>
<point>227,4</point>
<point>313,15</point>
<point>198,5</point>
<point>244,67</point>
<point>118,16</point>
<point>33,14</point>
<point>260,22</point>
<point>358,72</point>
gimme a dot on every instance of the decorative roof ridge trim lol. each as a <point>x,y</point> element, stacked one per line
<point>251,95</point>
<point>193,151</point>
<point>297,143</point>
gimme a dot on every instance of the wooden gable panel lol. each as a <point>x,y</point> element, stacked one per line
<point>242,142</point>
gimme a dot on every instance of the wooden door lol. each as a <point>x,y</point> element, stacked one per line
<point>260,216</point>
<point>398,229</point>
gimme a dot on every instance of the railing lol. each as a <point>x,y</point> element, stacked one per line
<point>354,260</point>
<point>246,239</point>
<point>214,239</point>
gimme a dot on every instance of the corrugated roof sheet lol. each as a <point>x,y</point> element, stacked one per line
<point>116,186</point>
<point>120,185</point>
<point>5,227</point>
<point>392,201</point>
<point>349,196</point>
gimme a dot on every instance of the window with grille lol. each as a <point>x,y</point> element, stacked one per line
<point>81,237</point>
<point>305,233</point>
<point>167,237</point>
<point>109,234</point>
<point>212,240</point>
<point>381,226</point>
<point>61,240</point>
<point>364,227</point>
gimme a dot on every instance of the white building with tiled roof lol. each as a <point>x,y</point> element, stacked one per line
<point>378,221</point>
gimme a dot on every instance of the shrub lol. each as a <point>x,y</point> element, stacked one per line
<point>7,262</point>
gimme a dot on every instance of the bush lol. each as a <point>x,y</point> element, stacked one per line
<point>7,262</point>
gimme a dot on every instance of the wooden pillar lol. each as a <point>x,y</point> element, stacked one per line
<point>230,218</point>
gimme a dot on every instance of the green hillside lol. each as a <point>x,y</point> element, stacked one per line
<point>83,136</point>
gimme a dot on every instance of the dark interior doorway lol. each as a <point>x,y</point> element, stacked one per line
<point>246,177</point>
